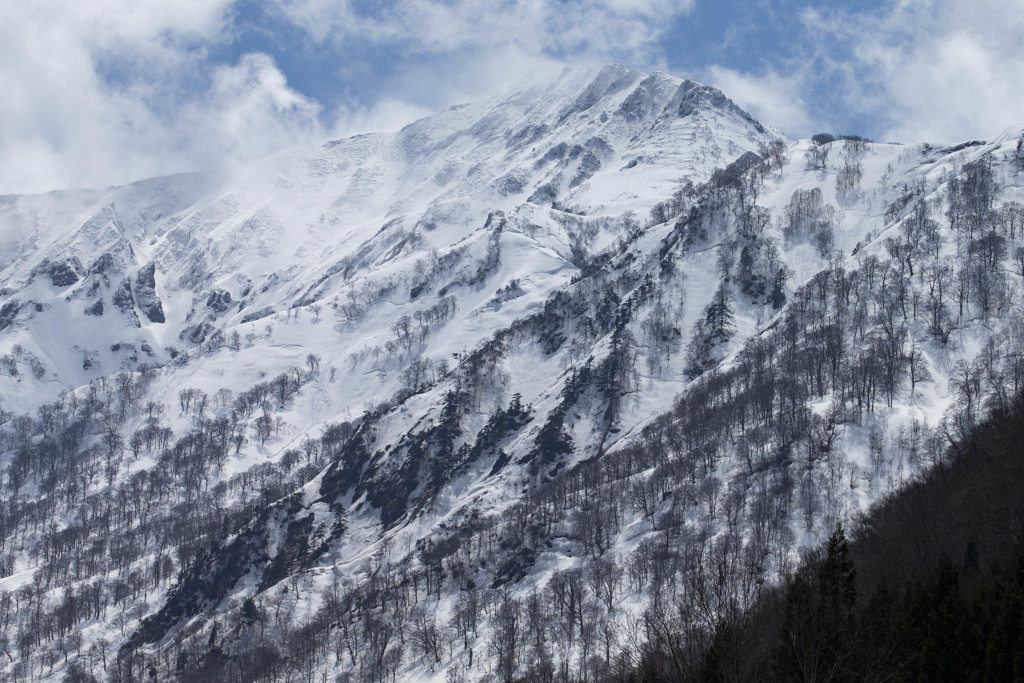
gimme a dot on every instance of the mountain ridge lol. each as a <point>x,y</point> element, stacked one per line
<point>507,319</point>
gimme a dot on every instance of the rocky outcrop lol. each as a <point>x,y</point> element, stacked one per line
<point>219,300</point>
<point>144,292</point>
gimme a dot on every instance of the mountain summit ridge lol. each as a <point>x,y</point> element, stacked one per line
<point>229,239</point>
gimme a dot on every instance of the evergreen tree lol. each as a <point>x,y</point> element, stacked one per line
<point>796,659</point>
<point>719,317</point>
<point>942,653</point>
<point>818,627</point>
<point>710,332</point>
<point>838,594</point>
<point>1004,656</point>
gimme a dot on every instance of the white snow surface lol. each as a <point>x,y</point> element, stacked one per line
<point>321,250</point>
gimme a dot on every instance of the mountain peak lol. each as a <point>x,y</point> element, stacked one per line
<point>602,324</point>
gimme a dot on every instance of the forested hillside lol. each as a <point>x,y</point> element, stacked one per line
<point>929,587</point>
<point>562,385</point>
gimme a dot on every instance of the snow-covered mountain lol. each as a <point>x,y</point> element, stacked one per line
<point>358,408</point>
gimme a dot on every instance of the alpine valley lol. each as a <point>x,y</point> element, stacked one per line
<point>529,390</point>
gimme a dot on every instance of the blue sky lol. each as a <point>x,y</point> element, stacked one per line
<point>114,90</point>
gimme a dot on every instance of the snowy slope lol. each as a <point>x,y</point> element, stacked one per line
<point>433,334</point>
<point>325,224</point>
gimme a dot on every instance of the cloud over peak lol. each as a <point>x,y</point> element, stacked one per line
<point>109,91</point>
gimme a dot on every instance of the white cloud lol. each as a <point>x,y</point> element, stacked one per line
<point>108,91</point>
<point>770,97</point>
<point>386,115</point>
<point>62,122</point>
<point>913,70</point>
<point>931,70</point>
<point>601,29</point>
<point>458,50</point>
<point>250,111</point>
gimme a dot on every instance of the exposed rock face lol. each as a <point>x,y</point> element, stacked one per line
<point>145,294</point>
<point>125,302</point>
<point>197,333</point>
<point>123,297</point>
<point>64,274</point>
<point>219,300</point>
<point>8,312</point>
